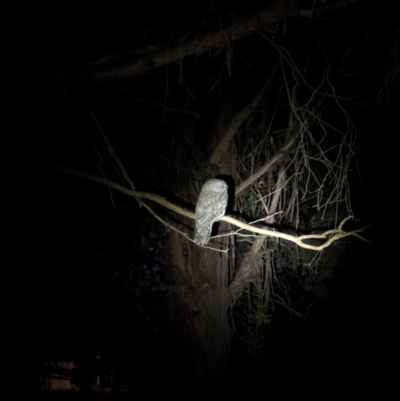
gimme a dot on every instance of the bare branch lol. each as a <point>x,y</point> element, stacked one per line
<point>271,162</point>
<point>136,194</point>
<point>331,235</point>
<point>238,120</point>
<point>154,56</point>
<point>110,148</point>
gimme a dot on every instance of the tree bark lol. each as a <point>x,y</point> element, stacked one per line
<point>142,60</point>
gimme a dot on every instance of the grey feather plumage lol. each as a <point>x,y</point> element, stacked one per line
<point>211,205</point>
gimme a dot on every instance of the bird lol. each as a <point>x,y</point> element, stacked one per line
<point>211,205</point>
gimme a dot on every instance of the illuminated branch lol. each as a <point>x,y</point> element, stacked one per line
<point>330,236</point>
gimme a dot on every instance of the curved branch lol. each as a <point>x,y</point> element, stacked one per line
<point>157,55</point>
<point>240,117</point>
<point>136,194</point>
<point>330,236</point>
<point>271,162</point>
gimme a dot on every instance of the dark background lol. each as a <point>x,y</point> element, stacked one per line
<point>67,247</point>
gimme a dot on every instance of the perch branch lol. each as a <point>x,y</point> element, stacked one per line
<point>330,236</point>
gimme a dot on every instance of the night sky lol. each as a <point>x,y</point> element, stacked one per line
<point>70,241</point>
